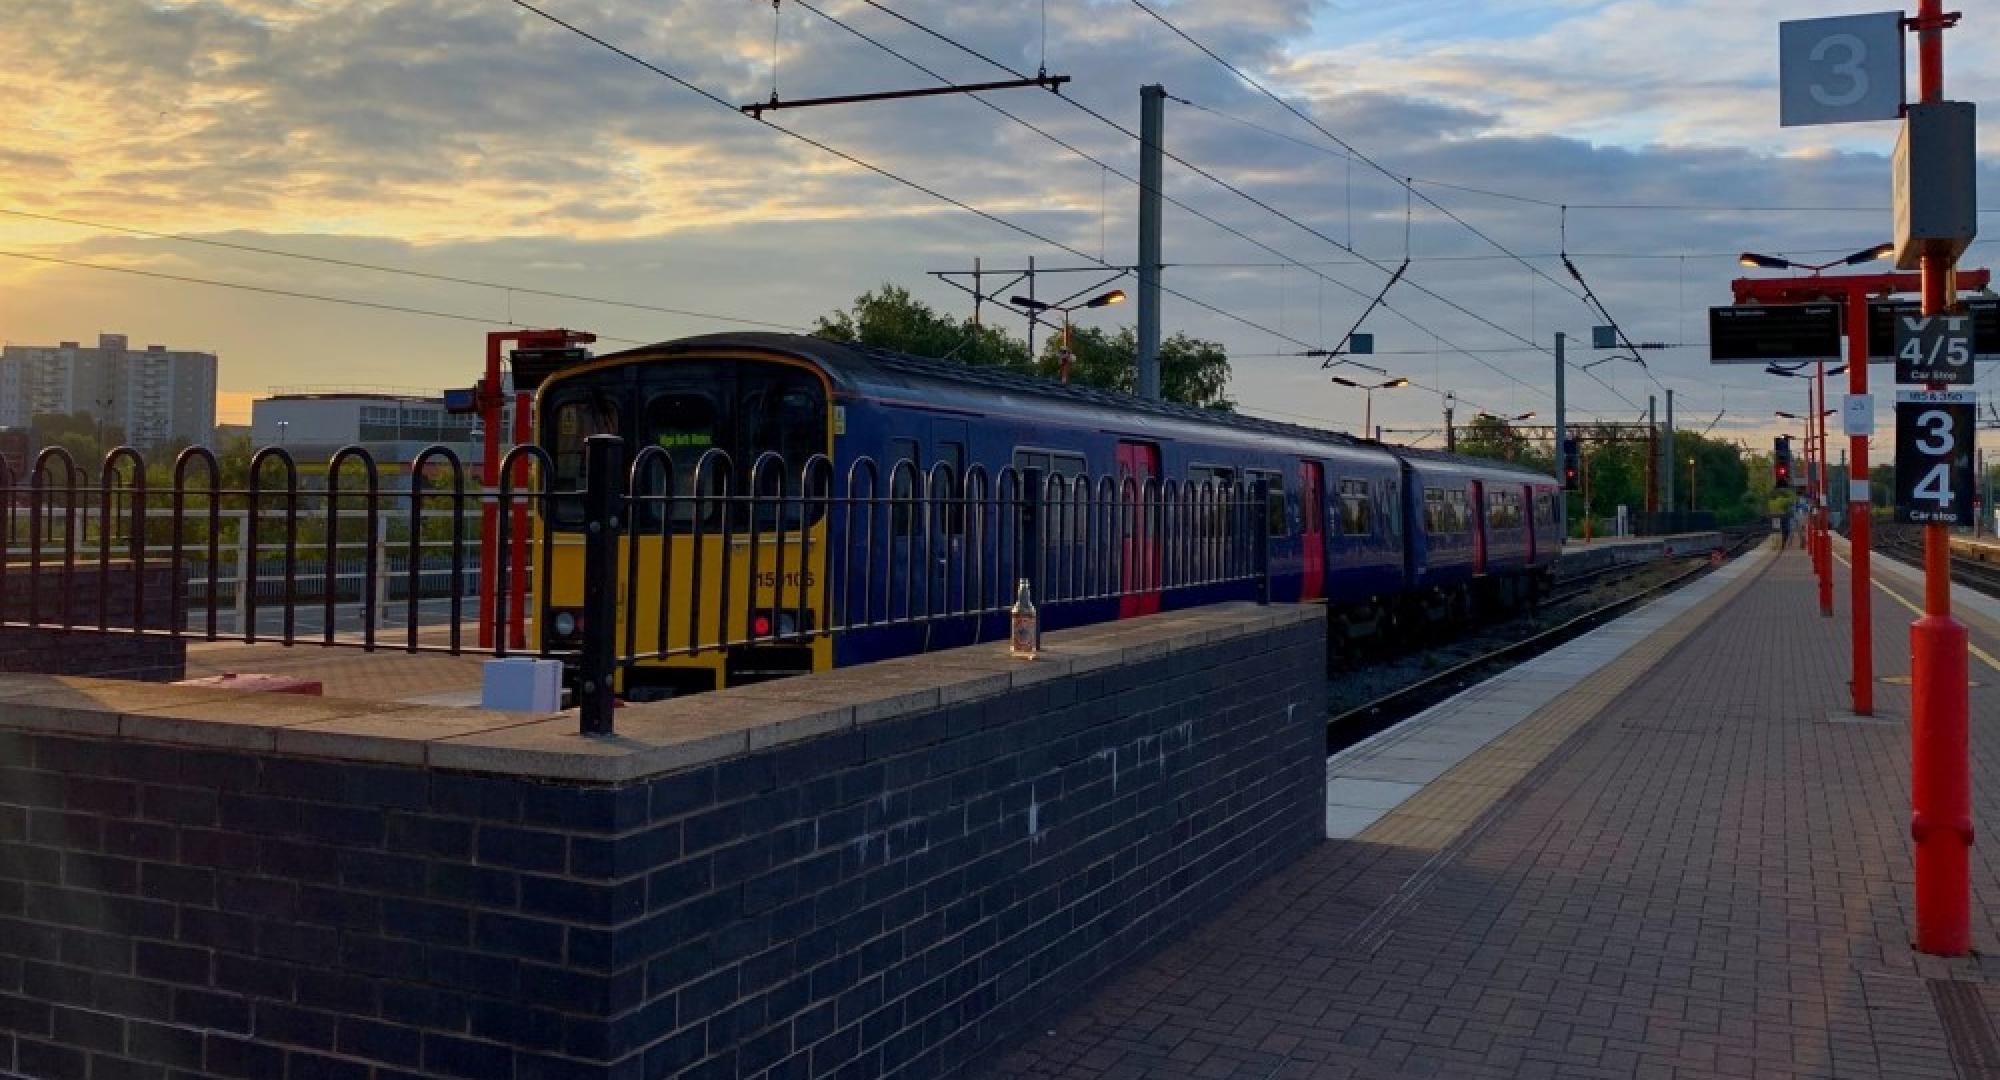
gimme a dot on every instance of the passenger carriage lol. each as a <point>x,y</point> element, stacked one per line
<point>886,488</point>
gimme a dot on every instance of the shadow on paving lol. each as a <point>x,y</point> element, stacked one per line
<point>1710,878</point>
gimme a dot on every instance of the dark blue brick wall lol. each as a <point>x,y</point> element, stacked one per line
<point>107,654</point>
<point>890,901</point>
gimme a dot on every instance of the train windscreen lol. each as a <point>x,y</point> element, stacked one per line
<point>688,408</point>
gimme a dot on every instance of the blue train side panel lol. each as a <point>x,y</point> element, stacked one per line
<point>1354,523</point>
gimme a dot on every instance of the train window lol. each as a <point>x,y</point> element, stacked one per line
<point>1391,505</point>
<point>579,414</point>
<point>904,467</point>
<point>1217,476</point>
<point>784,414</point>
<point>948,486</point>
<point>1051,464</point>
<point>1435,514</point>
<point>1357,510</point>
<point>1545,509</point>
<point>684,424</point>
<point>1274,500</point>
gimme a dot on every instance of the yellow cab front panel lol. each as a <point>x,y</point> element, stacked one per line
<point>693,592</point>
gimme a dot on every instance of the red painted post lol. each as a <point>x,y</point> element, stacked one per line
<point>1940,762</point>
<point>489,481</point>
<point>1860,598</point>
<point>1820,504</point>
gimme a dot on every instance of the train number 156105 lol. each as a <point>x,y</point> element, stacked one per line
<point>768,579</point>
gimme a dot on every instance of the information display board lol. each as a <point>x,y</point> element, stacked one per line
<point>1934,349</point>
<point>1773,333</point>
<point>1934,454</point>
<point>1885,315</point>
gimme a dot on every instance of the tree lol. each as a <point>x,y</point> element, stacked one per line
<point>891,318</point>
<point>1192,371</point>
<point>1495,438</point>
<point>83,435</point>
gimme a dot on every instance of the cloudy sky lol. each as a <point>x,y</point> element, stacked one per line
<point>400,142</point>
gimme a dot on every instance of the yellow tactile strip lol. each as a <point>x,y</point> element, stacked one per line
<point>1435,816</point>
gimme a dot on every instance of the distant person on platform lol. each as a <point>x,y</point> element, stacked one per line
<point>1784,530</point>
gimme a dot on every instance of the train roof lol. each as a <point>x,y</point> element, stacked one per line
<point>856,366</point>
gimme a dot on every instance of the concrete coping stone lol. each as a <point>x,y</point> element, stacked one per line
<point>650,740</point>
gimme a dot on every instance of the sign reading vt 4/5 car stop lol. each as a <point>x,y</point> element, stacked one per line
<point>1934,349</point>
<point>1934,474</point>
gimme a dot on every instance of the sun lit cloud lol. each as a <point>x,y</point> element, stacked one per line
<point>466,138</point>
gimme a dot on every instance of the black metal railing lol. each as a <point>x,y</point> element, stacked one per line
<point>707,556</point>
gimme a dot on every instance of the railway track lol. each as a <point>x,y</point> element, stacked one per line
<point>1346,727</point>
<point>1906,542</point>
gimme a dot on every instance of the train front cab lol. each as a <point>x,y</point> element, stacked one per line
<point>701,420</point>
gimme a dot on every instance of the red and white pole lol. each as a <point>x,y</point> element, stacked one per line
<point>1860,598</point>
<point>1940,764</point>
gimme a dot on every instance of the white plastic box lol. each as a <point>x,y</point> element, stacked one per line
<point>521,684</point>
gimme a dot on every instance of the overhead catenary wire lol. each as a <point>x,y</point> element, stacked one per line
<point>294,294</point>
<point>1235,190</point>
<point>383,268</point>
<point>1552,204</point>
<point>881,171</point>
<point>1345,145</point>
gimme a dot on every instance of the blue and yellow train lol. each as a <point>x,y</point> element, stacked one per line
<point>1379,533</point>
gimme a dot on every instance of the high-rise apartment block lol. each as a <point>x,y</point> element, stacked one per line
<point>156,395</point>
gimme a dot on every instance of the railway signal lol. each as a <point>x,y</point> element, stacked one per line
<point>1781,463</point>
<point>1572,465</point>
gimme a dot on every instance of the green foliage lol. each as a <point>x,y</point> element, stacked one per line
<point>891,318</point>
<point>79,433</point>
<point>1494,438</point>
<point>1192,371</point>
<point>1711,475</point>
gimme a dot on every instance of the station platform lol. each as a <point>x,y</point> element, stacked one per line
<point>1578,555</point>
<point>1984,549</point>
<point>1665,850</point>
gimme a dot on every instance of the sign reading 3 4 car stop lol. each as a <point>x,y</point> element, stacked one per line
<point>1934,474</point>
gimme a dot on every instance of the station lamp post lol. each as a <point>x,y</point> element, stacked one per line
<point>1368,416</point>
<point>1035,307</point>
<point>1773,262</point>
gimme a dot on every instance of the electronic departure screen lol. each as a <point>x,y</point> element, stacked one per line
<point>1882,316</point>
<point>1773,333</point>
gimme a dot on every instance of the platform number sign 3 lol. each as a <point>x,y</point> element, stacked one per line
<point>1934,349</point>
<point>1840,70</point>
<point>1934,444</point>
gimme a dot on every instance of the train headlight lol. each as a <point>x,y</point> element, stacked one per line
<point>565,623</point>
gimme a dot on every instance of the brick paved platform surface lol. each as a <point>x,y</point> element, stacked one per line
<point>384,675</point>
<point>1708,875</point>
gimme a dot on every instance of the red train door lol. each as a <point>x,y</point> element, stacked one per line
<point>1139,541</point>
<point>1477,517</point>
<point>1312,533</point>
